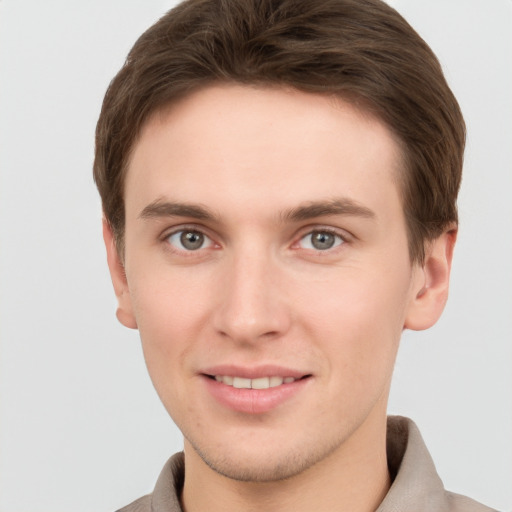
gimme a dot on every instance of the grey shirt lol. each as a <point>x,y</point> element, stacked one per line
<point>416,485</point>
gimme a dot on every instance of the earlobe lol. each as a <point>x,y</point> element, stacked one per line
<point>430,291</point>
<point>124,311</point>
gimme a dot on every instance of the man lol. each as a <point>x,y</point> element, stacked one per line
<point>279,185</point>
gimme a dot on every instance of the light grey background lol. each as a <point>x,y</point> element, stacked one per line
<point>81,428</point>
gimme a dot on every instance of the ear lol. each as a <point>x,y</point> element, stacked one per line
<point>431,284</point>
<point>124,311</point>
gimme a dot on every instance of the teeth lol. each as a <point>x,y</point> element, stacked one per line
<point>275,381</point>
<point>241,383</point>
<point>259,383</point>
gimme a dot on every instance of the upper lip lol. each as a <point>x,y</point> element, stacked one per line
<point>254,372</point>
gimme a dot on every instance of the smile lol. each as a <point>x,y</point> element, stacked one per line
<point>259,383</point>
<point>253,392</point>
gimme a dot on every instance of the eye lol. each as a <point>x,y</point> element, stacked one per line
<point>320,240</point>
<point>189,240</point>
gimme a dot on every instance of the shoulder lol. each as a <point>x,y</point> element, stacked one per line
<point>141,505</point>
<point>416,484</point>
<point>165,495</point>
<point>459,503</point>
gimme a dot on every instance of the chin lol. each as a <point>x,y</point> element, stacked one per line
<point>264,466</point>
<point>258,470</point>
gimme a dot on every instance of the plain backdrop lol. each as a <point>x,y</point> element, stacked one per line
<point>81,428</point>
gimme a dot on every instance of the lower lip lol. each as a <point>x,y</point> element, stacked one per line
<point>254,401</point>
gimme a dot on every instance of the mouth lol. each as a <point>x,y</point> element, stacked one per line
<point>256,389</point>
<point>259,383</point>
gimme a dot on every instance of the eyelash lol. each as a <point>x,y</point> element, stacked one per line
<point>340,239</point>
<point>187,229</point>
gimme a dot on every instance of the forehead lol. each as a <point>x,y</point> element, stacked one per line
<point>249,144</point>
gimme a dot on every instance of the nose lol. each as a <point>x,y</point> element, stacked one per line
<point>251,302</point>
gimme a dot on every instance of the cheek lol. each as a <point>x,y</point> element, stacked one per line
<point>168,301</point>
<point>358,322</point>
<point>170,310</point>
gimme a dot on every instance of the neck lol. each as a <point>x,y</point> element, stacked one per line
<point>353,477</point>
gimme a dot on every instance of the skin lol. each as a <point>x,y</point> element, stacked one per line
<point>258,291</point>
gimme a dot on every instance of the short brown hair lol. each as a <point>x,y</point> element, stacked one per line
<point>360,50</point>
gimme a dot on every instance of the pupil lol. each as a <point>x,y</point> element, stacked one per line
<point>322,240</point>
<point>192,240</point>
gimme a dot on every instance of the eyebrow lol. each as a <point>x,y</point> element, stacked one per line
<point>336,206</point>
<point>161,208</point>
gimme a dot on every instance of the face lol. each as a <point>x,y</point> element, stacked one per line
<point>267,269</point>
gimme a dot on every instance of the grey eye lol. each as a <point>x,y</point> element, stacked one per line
<point>192,240</point>
<point>320,240</point>
<point>189,240</point>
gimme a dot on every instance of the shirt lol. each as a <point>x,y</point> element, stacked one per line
<point>416,486</point>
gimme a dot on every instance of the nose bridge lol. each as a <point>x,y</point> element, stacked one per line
<point>251,301</point>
